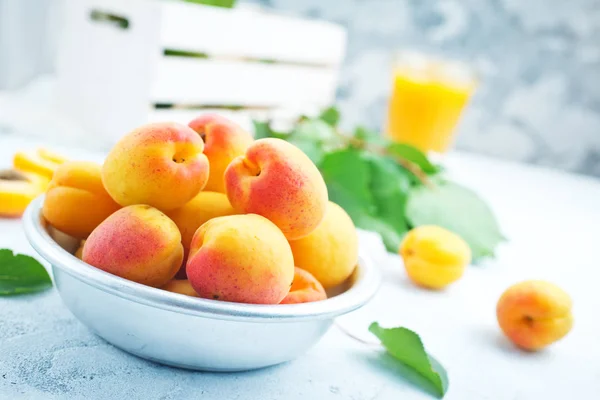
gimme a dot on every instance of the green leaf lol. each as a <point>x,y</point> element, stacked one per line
<point>390,186</point>
<point>262,129</point>
<point>330,115</point>
<point>459,210</point>
<point>313,130</point>
<point>314,150</point>
<point>414,155</point>
<point>406,346</point>
<point>313,137</point>
<point>20,274</point>
<point>217,3</point>
<point>372,190</point>
<point>370,136</point>
<point>347,177</point>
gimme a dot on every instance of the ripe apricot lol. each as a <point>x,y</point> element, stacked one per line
<point>277,180</point>
<point>76,201</point>
<point>159,164</point>
<point>138,243</point>
<point>305,288</point>
<point>224,140</point>
<point>534,314</point>
<point>181,286</point>
<point>240,258</point>
<point>330,252</point>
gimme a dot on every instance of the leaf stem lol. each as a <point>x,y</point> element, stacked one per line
<point>356,338</point>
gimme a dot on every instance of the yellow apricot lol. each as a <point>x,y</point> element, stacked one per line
<point>433,256</point>
<point>330,252</point>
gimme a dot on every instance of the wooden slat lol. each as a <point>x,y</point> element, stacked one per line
<point>244,32</point>
<point>206,81</point>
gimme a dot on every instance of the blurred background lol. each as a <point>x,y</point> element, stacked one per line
<point>513,79</point>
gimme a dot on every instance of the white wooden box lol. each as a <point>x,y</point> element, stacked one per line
<point>116,70</point>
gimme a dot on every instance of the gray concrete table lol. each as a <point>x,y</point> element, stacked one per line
<point>552,221</point>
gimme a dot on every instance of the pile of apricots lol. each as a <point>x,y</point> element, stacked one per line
<point>207,211</point>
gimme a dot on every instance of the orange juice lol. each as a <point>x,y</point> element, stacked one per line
<point>428,98</point>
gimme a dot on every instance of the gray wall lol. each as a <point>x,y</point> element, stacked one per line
<point>539,61</point>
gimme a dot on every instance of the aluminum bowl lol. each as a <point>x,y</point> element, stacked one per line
<point>184,331</point>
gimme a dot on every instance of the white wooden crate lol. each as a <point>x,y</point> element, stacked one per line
<point>261,65</point>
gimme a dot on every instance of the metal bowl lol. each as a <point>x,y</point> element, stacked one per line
<point>184,331</point>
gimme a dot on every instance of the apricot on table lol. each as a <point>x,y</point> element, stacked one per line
<point>330,252</point>
<point>41,161</point>
<point>433,256</point>
<point>158,164</point>
<point>240,258</point>
<point>138,243</point>
<point>277,180</point>
<point>224,140</point>
<point>534,314</point>
<point>18,189</point>
<point>76,201</point>
<point>305,288</point>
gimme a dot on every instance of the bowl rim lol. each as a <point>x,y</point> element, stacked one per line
<point>363,289</point>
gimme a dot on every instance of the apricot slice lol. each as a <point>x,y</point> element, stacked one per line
<point>17,190</point>
<point>41,161</point>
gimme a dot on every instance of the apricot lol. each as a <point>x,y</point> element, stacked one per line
<point>181,286</point>
<point>205,206</point>
<point>41,161</point>
<point>330,252</point>
<point>224,140</point>
<point>277,180</point>
<point>17,190</point>
<point>159,164</point>
<point>433,256</point>
<point>76,201</point>
<point>79,251</point>
<point>240,258</point>
<point>138,243</point>
<point>305,288</point>
<point>534,314</point>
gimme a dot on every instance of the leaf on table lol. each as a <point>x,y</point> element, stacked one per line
<point>459,210</point>
<point>414,155</point>
<point>20,274</point>
<point>330,115</point>
<point>407,347</point>
<point>372,190</point>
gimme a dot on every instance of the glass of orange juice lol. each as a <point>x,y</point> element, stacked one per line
<point>428,97</point>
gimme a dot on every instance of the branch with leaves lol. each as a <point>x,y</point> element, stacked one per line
<point>389,187</point>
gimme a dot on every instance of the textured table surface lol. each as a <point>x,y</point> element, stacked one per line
<point>552,221</point>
